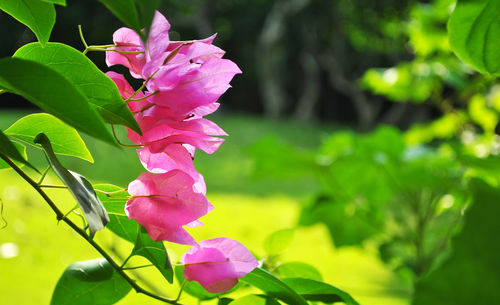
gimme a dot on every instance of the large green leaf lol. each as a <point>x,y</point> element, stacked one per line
<point>146,10</point>
<point>114,203</point>
<point>99,89</point>
<point>90,282</point>
<point>126,11</point>
<point>8,149</point>
<point>474,28</point>
<point>65,139</point>
<point>60,2</point>
<point>273,286</point>
<point>39,16</point>
<point>53,93</point>
<point>155,252</point>
<point>313,290</point>
<point>471,274</point>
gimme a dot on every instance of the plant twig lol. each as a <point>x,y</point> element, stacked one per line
<point>82,233</point>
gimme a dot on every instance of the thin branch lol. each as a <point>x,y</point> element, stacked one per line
<point>82,233</point>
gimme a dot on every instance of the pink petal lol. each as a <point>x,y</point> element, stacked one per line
<point>127,40</point>
<point>158,39</point>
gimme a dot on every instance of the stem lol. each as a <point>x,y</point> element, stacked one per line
<point>143,98</point>
<point>82,233</point>
<point>181,290</point>
<point>83,39</point>
<point>122,144</point>
<point>43,175</point>
<point>50,186</point>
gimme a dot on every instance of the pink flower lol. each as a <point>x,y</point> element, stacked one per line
<point>163,203</point>
<point>217,263</point>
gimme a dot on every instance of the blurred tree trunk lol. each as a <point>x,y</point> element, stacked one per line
<point>270,74</point>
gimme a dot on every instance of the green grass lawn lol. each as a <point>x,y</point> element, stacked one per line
<point>245,209</point>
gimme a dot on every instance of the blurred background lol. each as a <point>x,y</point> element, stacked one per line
<point>353,123</point>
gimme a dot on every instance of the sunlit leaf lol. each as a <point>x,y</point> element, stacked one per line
<point>22,150</point>
<point>278,241</point>
<point>65,139</point>
<point>298,269</point>
<point>39,16</point>
<point>313,290</point>
<point>8,149</point>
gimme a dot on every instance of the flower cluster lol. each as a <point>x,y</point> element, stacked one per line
<point>182,82</point>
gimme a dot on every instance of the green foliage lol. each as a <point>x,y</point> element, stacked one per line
<point>298,269</point>
<point>273,286</point>
<point>470,274</point>
<point>65,139</point>
<point>101,92</point>
<point>60,2</point>
<point>473,30</point>
<point>255,300</point>
<point>278,241</point>
<point>38,15</point>
<point>313,290</point>
<point>24,77</point>
<point>15,151</point>
<point>90,282</point>
<point>155,252</point>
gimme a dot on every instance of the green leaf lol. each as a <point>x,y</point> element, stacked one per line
<point>8,149</point>
<point>474,28</point>
<point>126,11</point>
<point>470,275</point>
<point>313,290</point>
<point>114,203</point>
<point>273,286</point>
<point>51,91</point>
<point>22,150</point>
<point>278,241</point>
<point>65,139</point>
<point>224,301</point>
<point>99,89</point>
<point>60,2</point>
<point>155,252</point>
<point>39,16</point>
<point>299,269</point>
<point>146,10</point>
<point>194,288</point>
<point>90,282</point>
<point>255,300</point>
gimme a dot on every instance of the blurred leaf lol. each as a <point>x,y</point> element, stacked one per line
<point>255,300</point>
<point>444,127</point>
<point>51,91</point>
<point>473,28</point>
<point>77,68</point>
<point>278,241</point>
<point>21,149</point>
<point>298,269</point>
<point>65,139</point>
<point>125,11</point>
<point>313,290</point>
<point>146,10</point>
<point>273,286</point>
<point>90,282</point>
<point>39,16</point>
<point>155,252</point>
<point>8,149</point>
<point>114,203</point>
<point>481,114</point>
<point>470,274</point>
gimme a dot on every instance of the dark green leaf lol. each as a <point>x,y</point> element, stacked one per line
<point>146,10</point>
<point>8,149</point>
<point>313,290</point>
<point>51,91</point>
<point>255,300</point>
<point>114,203</point>
<point>99,89</point>
<point>125,11</point>
<point>470,275</point>
<point>90,282</point>
<point>474,28</point>
<point>224,301</point>
<point>65,139</point>
<point>155,252</point>
<point>299,269</point>
<point>278,241</point>
<point>22,150</point>
<point>273,286</point>
<point>60,2</point>
<point>39,16</point>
